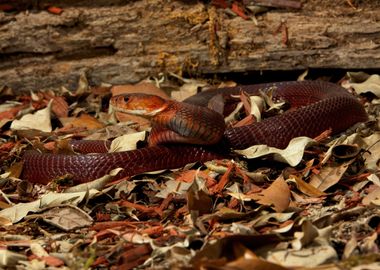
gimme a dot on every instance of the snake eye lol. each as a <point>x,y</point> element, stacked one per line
<point>126,98</point>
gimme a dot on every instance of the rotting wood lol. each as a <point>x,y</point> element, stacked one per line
<point>127,42</point>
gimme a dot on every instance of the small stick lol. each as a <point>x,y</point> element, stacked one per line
<point>276,3</point>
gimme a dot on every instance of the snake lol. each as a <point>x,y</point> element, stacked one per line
<point>315,106</point>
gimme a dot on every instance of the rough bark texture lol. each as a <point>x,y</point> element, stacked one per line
<point>126,41</point>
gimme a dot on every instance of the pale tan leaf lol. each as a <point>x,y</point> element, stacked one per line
<point>21,210</point>
<point>10,258</point>
<point>367,266</point>
<point>38,250</point>
<point>306,236</point>
<point>371,84</point>
<point>40,120</point>
<point>257,106</point>
<point>127,142</point>
<point>350,247</point>
<point>372,157</point>
<point>66,217</point>
<point>292,154</point>
<point>188,89</point>
<point>96,184</point>
<point>307,257</point>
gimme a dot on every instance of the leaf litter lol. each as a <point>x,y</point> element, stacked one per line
<point>313,205</point>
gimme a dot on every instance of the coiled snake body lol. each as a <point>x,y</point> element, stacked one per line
<point>316,106</point>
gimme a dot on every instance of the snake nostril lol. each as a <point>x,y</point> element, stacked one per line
<point>126,98</point>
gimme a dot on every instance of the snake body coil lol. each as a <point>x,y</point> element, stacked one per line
<point>315,107</point>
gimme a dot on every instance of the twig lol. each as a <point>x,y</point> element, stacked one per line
<point>276,3</point>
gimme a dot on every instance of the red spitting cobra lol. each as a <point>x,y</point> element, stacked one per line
<point>316,106</point>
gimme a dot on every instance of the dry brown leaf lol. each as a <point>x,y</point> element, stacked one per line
<point>306,188</point>
<point>198,200</point>
<point>277,195</point>
<point>245,99</point>
<point>9,111</point>
<point>86,121</point>
<point>53,261</point>
<point>16,169</point>
<point>221,248</point>
<point>60,107</point>
<point>329,176</point>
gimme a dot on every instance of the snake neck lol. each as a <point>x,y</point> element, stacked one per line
<point>187,123</point>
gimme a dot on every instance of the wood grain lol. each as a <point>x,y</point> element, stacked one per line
<point>130,40</point>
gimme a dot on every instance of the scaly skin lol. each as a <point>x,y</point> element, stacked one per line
<point>316,107</point>
<point>173,122</point>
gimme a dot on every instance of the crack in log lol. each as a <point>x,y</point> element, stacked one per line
<point>7,59</point>
<point>85,53</point>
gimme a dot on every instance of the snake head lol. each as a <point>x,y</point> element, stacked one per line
<point>139,104</point>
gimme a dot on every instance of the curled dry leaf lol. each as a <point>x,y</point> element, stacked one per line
<point>292,154</point>
<point>371,84</point>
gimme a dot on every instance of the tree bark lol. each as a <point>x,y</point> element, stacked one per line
<point>129,40</point>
